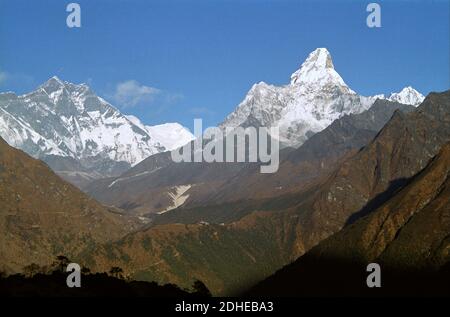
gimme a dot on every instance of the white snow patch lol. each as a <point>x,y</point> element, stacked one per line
<point>178,197</point>
<point>131,177</point>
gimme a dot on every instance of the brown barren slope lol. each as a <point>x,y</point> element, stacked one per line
<point>42,216</point>
<point>409,236</point>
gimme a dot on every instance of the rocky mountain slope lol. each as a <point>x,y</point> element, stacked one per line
<point>316,97</point>
<point>148,187</point>
<point>400,150</point>
<point>408,236</point>
<point>42,216</point>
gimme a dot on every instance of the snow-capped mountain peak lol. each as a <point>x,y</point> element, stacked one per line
<point>318,71</point>
<point>315,97</point>
<point>407,96</point>
<point>70,120</point>
<point>171,135</point>
<point>53,87</point>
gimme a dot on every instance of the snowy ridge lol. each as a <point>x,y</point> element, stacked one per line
<point>170,135</point>
<point>317,71</point>
<point>407,96</point>
<point>178,195</point>
<point>65,119</point>
<point>315,97</point>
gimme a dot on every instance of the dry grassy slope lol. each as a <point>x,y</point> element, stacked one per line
<point>408,236</point>
<point>230,257</point>
<point>226,258</point>
<point>42,216</point>
<point>411,229</point>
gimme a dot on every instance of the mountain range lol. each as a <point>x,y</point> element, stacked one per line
<point>153,185</point>
<point>315,98</point>
<point>228,256</point>
<point>79,134</point>
<point>83,138</point>
<point>360,179</point>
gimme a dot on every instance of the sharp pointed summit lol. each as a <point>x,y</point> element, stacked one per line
<point>318,70</point>
<point>321,57</point>
<point>54,79</point>
<point>318,59</point>
<point>52,84</point>
<point>315,97</point>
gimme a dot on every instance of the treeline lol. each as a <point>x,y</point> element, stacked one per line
<point>50,281</point>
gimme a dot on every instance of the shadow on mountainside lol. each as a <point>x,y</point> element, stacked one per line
<point>378,200</point>
<point>332,277</point>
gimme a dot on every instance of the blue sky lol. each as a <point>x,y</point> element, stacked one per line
<point>166,61</point>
